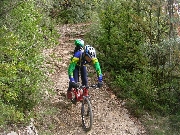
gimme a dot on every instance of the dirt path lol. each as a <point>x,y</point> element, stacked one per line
<point>110,117</point>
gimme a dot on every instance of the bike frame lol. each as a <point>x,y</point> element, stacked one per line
<point>80,91</point>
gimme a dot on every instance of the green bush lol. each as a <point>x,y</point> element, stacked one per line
<point>73,11</point>
<point>25,32</point>
<point>140,63</point>
<point>9,114</point>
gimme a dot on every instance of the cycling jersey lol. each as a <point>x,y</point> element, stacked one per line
<point>79,60</point>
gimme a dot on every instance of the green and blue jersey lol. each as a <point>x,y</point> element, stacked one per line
<point>78,60</point>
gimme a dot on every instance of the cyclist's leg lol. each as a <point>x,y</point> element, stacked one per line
<point>76,74</point>
<point>84,76</point>
<point>76,78</point>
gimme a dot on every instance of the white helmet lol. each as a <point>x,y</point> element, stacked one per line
<point>90,51</point>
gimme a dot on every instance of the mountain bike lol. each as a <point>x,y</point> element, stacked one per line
<point>80,94</point>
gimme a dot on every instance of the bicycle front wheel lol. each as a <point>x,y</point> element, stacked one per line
<point>87,115</point>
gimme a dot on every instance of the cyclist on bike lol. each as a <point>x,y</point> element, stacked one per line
<point>82,56</point>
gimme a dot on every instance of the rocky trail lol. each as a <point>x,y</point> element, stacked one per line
<point>110,117</point>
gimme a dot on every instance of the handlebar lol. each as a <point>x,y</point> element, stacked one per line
<point>78,85</point>
<point>91,86</point>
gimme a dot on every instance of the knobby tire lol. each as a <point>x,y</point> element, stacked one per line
<point>86,114</point>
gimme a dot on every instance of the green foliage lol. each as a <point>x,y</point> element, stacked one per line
<point>142,63</point>
<point>164,65</point>
<point>158,125</point>
<point>147,74</point>
<point>73,11</point>
<point>138,89</point>
<point>9,114</point>
<point>25,32</point>
<point>175,122</point>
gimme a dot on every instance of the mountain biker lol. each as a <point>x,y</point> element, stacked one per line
<point>82,56</point>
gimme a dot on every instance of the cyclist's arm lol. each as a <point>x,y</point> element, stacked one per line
<point>97,66</point>
<point>73,63</point>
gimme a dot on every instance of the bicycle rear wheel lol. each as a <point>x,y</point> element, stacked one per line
<point>87,115</point>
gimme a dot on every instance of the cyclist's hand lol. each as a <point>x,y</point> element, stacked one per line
<point>100,84</point>
<point>100,78</point>
<point>73,84</point>
<point>71,79</point>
